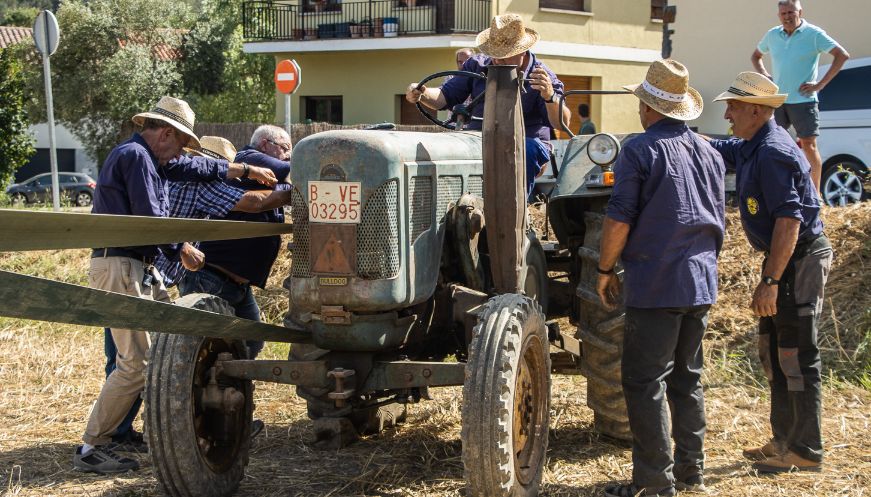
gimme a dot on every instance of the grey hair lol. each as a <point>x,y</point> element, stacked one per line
<point>793,3</point>
<point>268,132</point>
<point>467,50</point>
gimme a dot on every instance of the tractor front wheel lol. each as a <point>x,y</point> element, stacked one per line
<point>199,429</point>
<point>506,399</point>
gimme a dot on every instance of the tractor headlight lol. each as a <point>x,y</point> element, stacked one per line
<point>603,149</point>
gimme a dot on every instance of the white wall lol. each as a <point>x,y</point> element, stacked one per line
<point>65,139</point>
<point>715,38</point>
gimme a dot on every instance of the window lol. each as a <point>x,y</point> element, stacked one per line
<point>68,178</point>
<point>572,102</point>
<point>577,5</point>
<point>324,109</point>
<point>848,91</point>
<point>321,6</point>
<point>657,9</point>
<point>42,181</point>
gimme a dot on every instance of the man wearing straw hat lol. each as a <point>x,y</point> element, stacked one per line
<point>780,213</point>
<point>132,181</point>
<point>507,42</point>
<point>665,221</point>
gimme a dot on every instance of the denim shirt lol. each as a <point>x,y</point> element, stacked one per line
<point>772,179</point>
<point>535,119</point>
<point>669,187</point>
<point>132,183</point>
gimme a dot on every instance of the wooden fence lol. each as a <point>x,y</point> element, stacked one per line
<point>239,134</point>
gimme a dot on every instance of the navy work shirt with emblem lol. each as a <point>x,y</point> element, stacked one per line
<point>251,258</point>
<point>772,179</point>
<point>669,187</point>
<point>132,183</point>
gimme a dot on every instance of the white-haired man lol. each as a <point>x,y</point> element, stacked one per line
<point>795,47</point>
<point>226,274</point>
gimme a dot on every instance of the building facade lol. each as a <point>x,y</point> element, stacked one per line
<point>358,57</point>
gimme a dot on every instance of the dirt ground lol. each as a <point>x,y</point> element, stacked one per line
<point>50,375</point>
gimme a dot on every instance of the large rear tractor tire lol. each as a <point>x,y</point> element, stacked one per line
<point>506,399</point>
<point>196,450</point>
<point>601,335</point>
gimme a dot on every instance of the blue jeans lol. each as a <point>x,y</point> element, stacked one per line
<point>239,296</point>
<point>126,427</point>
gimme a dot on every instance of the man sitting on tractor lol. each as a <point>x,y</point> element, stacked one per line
<point>506,42</point>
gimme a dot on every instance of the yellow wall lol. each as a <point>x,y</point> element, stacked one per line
<point>715,39</point>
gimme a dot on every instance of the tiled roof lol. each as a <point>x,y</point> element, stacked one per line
<point>162,51</point>
<point>10,35</point>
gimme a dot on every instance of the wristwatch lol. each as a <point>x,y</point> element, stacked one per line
<point>768,280</point>
<point>552,98</point>
<point>602,271</point>
<point>245,170</point>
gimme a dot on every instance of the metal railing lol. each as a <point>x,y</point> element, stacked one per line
<point>265,20</point>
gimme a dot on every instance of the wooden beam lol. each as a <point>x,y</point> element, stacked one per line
<point>504,177</point>
<point>42,230</point>
<point>29,297</point>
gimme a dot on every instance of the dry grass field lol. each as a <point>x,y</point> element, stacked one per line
<point>50,375</point>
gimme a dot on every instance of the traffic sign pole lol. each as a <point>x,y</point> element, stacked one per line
<point>46,36</point>
<point>288,77</point>
<point>287,113</point>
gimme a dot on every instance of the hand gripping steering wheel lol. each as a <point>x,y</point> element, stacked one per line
<point>461,114</point>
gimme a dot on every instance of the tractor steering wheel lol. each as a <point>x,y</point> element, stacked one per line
<point>461,114</point>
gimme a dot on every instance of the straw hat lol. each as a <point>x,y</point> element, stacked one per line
<point>176,113</point>
<point>666,89</point>
<point>754,88</point>
<point>215,147</point>
<point>506,37</point>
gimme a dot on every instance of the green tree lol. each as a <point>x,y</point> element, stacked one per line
<point>223,83</point>
<point>107,67</point>
<point>20,16</point>
<point>16,144</point>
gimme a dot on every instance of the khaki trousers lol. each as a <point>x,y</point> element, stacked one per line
<point>125,384</point>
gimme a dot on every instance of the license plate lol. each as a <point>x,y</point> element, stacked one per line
<point>334,202</point>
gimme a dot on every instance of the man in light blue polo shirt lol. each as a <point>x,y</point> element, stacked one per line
<point>795,48</point>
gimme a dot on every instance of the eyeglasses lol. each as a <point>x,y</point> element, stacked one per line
<point>282,146</point>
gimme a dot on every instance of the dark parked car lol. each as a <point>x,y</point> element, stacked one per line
<point>77,187</point>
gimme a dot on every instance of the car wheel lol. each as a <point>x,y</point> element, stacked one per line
<point>18,200</point>
<point>83,199</point>
<point>844,183</point>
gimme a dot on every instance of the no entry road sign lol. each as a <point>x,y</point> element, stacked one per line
<point>288,76</point>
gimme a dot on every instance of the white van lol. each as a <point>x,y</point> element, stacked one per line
<point>845,133</point>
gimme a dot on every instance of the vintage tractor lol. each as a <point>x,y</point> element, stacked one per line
<point>413,267</point>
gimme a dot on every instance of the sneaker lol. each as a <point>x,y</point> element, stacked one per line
<point>102,460</point>
<point>256,427</point>
<point>694,483</point>
<point>132,441</point>
<point>632,490</point>
<point>773,448</point>
<point>784,463</point>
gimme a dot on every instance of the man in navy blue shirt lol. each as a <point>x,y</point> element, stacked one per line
<point>228,275</point>
<point>132,182</point>
<point>665,220</point>
<point>506,42</point>
<point>780,212</point>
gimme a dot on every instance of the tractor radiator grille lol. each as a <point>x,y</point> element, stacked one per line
<point>450,189</point>
<point>475,186</point>
<point>300,264</point>
<point>420,206</point>
<point>378,234</point>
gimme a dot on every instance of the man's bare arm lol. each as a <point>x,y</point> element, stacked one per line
<point>614,236</point>
<point>756,60</point>
<point>430,97</point>
<point>782,246</point>
<point>840,56</point>
<point>262,200</point>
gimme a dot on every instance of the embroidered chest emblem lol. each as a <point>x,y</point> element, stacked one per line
<point>752,206</point>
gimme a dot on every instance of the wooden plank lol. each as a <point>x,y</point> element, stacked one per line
<point>42,230</point>
<point>29,297</point>
<point>504,177</point>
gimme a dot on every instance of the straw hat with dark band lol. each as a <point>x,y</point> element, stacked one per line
<point>215,147</point>
<point>506,37</point>
<point>666,89</point>
<point>753,88</point>
<point>175,112</point>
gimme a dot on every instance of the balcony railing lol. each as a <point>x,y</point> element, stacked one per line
<point>265,20</point>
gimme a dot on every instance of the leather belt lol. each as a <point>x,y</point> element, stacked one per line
<point>120,252</point>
